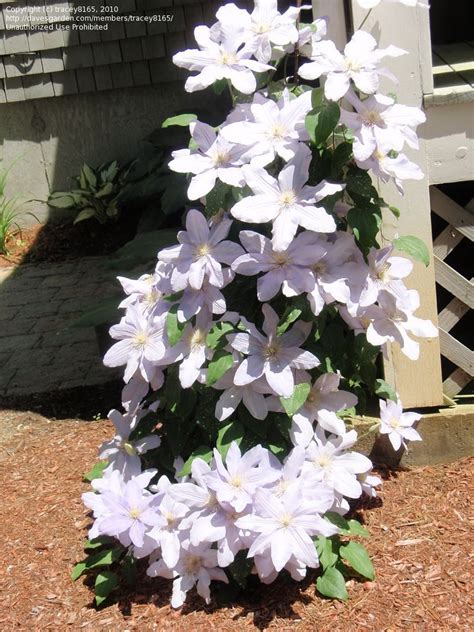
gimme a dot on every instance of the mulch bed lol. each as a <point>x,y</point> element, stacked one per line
<point>420,544</point>
<point>65,241</point>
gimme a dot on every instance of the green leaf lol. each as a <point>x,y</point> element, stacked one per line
<point>203,452</point>
<point>105,582</point>
<point>357,556</point>
<point>215,199</point>
<point>414,247</point>
<point>219,365</point>
<point>395,211</point>
<point>87,213</point>
<point>341,156</point>
<point>97,542</point>
<point>128,569</point>
<point>217,334</point>
<point>174,328</point>
<point>89,176</point>
<point>60,199</point>
<point>365,224</point>
<point>231,432</point>
<point>359,182</point>
<point>327,551</point>
<point>289,317</point>
<point>346,527</point>
<point>183,120</point>
<point>294,403</point>
<point>332,584</point>
<point>322,121</point>
<point>219,86</point>
<point>317,97</point>
<point>103,558</point>
<point>105,190</point>
<point>385,391</point>
<point>96,471</point>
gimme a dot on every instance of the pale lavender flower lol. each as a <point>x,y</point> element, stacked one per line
<point>214,158</point>
<point>337,273</point>
<point>166,530</point>
<point>323,402</point>
<point>208,297</point>
<point>216,60</point>
<point>311,34</point>
<point>397,424</point>
<point>197,565</point>
<point>288,269</point>
<point>272,356</point>
<point>130,514</point>
<point>386,273</point>
<point>285,525</point>
<point>276,128</point>
<point>235,482</point>
<point>379,121</point>
<point>200,253</point>
<point>142,343</point>
<point>287,201</point>
<point>337,466</point>
<point>263,27</point>
<point>192,351</point>
<point>122,453</point>
<point>251,395</point>
<point>387,165</point>
<point>359,63</point>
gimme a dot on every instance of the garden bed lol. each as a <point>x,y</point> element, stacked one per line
<point>419,544</point>
<point>64,241</point>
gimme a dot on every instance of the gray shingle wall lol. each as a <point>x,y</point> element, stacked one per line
<point>58,60</point>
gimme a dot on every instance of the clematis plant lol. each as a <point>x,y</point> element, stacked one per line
<point>257,335</point>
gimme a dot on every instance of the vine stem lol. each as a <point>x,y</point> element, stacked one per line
<point>364,20</point>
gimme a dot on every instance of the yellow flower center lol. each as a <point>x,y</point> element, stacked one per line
<point>378,155</point>
<point>277,131</point>
<point>287,198</point>
<point>365,322</point>
<point>134,513</point>
<point>152,297</point>
<point>228,59</point>
<point>261,28</point>
<point>352,64</point>
<point>271,350</point>
<point>372,117</point>
<point>394,422</point>
<point>382,272</point>
<point>141,338</point>
<point>319,268</point>
<point>236,482</point>
<point>323,461</point>
<point>221,158</point>
<point>313,397</point>
<point>202,250</point>
<point>129,449</point>
<point>192,564</point>
<point>280,258</point>
<point>286,520</point>
<point>197,339</point>
<point>170,518</point>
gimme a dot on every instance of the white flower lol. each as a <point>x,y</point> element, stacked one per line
<point>397,424</point>
<point>359,63</point>
<point>311,34</point>
<point>200,253</point>
<point>388,165</point>
<point>276,128</point>
<point>227,59</point>
<point>287,201</point>
<point>379,121</point>
<point>263,27</point>
<point>215,158</point>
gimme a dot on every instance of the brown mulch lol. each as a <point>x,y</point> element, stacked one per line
<point>65,241</point>
<point>420,545</point>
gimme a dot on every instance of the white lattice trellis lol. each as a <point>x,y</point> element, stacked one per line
<point>460,226</point>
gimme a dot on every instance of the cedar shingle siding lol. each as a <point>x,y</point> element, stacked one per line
<point>47,63</point>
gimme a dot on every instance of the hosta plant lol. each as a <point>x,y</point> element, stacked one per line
<point>257,335</point>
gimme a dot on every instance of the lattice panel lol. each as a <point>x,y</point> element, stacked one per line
<point>460,226</point>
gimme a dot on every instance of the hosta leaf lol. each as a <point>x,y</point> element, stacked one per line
<point>86,213</point>
<point>105,582</point>
<point>294,403</point>
<point>357,556</point>
<point>413,246</point>
<point>332,584</point>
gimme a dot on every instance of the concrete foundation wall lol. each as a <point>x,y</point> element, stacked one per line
<point>49,139</point>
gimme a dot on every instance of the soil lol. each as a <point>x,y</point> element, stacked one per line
<point>65,241</point>
<point>419,543</point>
